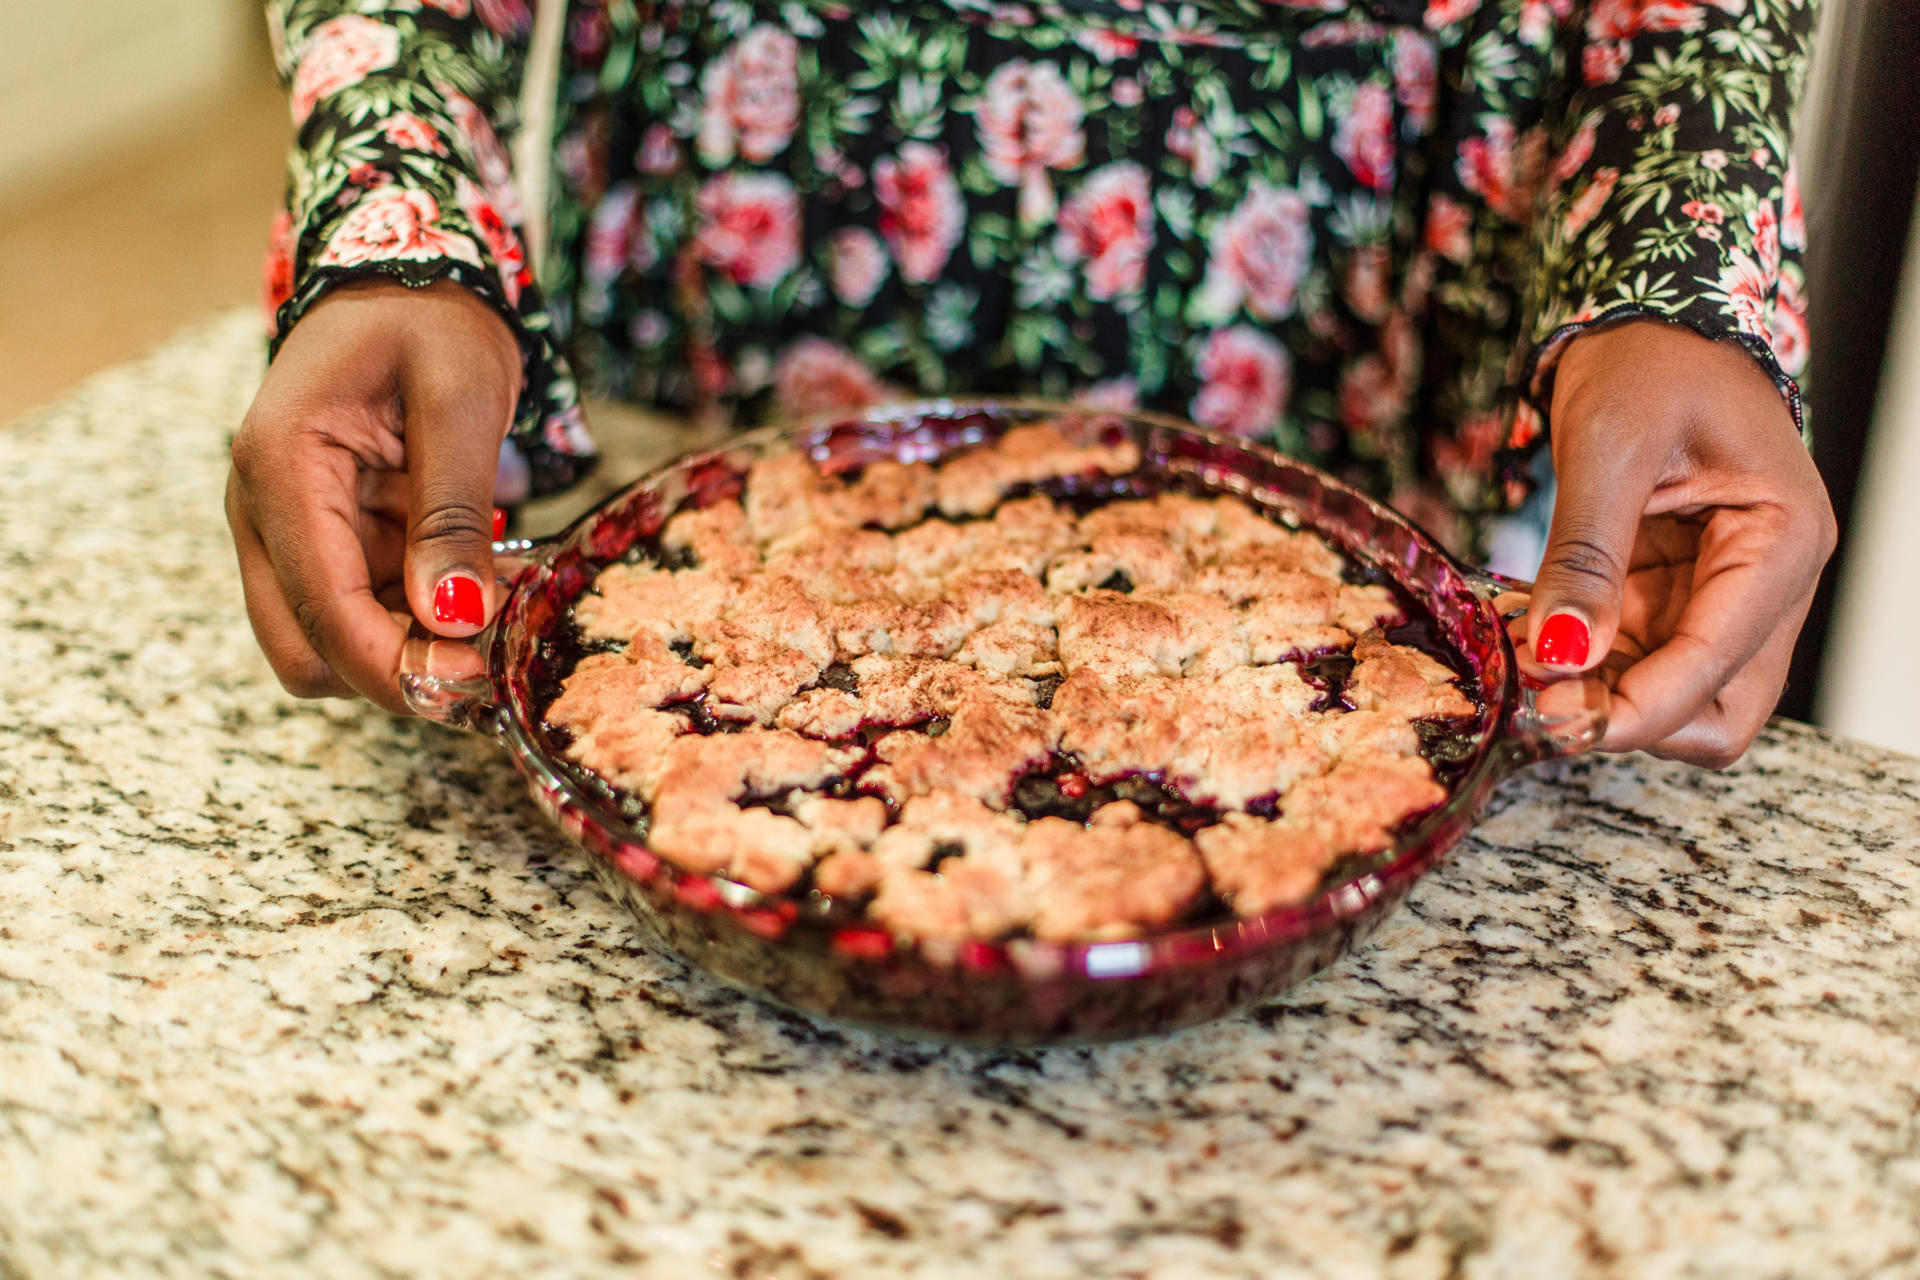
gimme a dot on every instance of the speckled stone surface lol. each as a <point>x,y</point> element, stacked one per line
<point>298,990</point>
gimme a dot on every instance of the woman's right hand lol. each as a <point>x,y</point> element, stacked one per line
<point>361,493</point>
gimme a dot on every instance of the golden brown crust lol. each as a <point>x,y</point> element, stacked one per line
<point>1178,518</point>
<point>1365,733</point>
<point>1210,641</point>
<point>888,494</point>
<point>1244,737</point>
<point>823,713</point>
<point>715,536</point>
<point>1249,572</point>
<point>895,692</point>
<point>834,550</point>
<point>987,596</point>
<point>1143,559</point>
<point>1117,635</point>
<point>867,642</point>
<point>606,685</point>
<point>946,818</point>
<point>1012,647</point>
<point>849,873</point>
<point>972,900</point>
<point>836,825</point>
<point>630,600</point>
<point>751,677</point>
<point>925,629</point>
<point>704,770</point>
<point>780,496</point>
<point>1357,804</point>
<point>1226,741</point>
<point>757,847</point>
<point>1362,608</point>
<point>1402,680</point>
<point>628,749</point>
<point>1258,865</point>
<point>1118,725</point>
<point>972,484</point>
<point>989,742</point>
<point>1117,876</point>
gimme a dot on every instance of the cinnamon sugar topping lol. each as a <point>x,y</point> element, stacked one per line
<point>938,652</point>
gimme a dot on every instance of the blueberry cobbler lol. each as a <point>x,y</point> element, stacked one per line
<point>1011,694</point>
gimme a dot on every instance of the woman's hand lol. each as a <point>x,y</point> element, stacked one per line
<point>1688,534</point>
<point>361,494</point>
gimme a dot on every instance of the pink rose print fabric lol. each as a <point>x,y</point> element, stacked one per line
<point>1365,139</point>
<point>921,212</point>
<point>817,376</point>
<point>339,54</point>
<point>859,265</point>
<point>409,132</point>
<point>1259,253</point>
<point>750,98</point>
<point>1030,125</point>
<point>749,227</point>
<point>1108,225</point>
<point>1243,382</point>
<point>392,223</point>
<point>1358,229</point>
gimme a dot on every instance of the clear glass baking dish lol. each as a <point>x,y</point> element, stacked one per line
<point>811,956</point>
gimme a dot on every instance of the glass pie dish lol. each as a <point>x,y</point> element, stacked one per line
<point>811,954</point>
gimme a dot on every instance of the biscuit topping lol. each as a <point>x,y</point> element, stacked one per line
<point>981,705</point>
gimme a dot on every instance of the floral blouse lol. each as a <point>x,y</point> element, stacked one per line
<point>1355,228</point>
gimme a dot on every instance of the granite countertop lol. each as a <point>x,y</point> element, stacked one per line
<point>300,990</point>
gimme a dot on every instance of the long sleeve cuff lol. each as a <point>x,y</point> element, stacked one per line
<point>399,170</point>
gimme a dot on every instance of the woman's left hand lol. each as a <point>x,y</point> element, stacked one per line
<point>1689,532</point>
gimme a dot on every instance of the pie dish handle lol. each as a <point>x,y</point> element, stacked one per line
<point>1552,718</point>
<point>451,681</point>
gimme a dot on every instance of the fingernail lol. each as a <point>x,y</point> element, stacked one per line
<point>499,523</point>
<point>1562,642</point>
<point>458,601</point>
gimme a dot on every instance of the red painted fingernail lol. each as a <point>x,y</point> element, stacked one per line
<point>459,601</point>
<point>499,523</point>
<point>1563,641</point>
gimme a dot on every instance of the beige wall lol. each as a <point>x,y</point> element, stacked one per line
<point>78,75</point>
<point>1870,682</point>
<point>1871,686</point>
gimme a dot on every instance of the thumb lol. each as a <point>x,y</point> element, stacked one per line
<point>1603,491</point>
<point>453,455</point>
